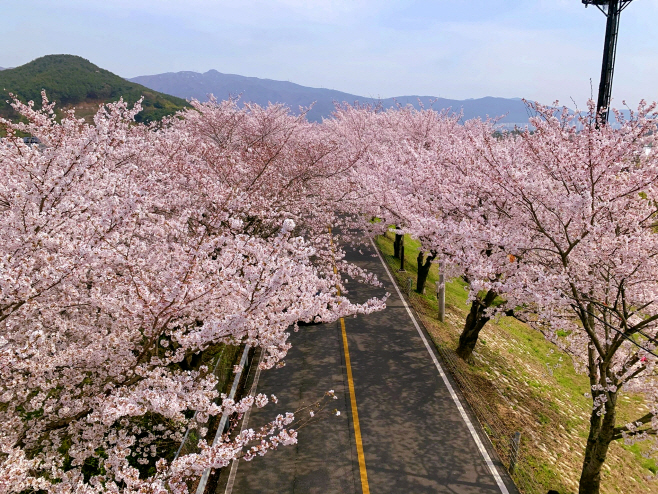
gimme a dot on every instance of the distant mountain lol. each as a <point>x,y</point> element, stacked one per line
<point>73,81</point>
<point>262,91</point>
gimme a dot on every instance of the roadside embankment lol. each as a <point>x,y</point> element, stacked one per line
<point>519,382</point>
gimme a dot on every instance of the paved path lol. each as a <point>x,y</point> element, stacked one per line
<point>415,438</point>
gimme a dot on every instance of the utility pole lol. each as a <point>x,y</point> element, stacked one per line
<point>612,10</point>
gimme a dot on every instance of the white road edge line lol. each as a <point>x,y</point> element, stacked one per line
<point>245,422</point>
<point>222,423</point>
<point>455,398</point>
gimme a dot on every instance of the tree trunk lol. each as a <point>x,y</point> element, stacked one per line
<point>396,245</point>
<point>423,270</point>
<point>475,321</point>
<point>601,432</point>
<point>191,362</point>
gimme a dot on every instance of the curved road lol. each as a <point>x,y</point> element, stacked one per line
<point>416,432</point>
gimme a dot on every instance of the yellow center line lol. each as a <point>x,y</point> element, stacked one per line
<point>365,488</point>
<point>355,414</point>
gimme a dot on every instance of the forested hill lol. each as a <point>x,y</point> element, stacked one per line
<point>72,81</point>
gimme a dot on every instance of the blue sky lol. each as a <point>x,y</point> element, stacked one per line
<point>537,49</point>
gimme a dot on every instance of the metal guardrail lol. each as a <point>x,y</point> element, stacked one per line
<point>224,420</point>
<point>186,438</point>
<point>245,423</point>
<point>225,372</point>
<point>222,370</point>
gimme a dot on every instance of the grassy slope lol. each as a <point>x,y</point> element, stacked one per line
<point>72,81</point>
<point>530,386</point>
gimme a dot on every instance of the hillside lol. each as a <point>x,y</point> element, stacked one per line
<point>263,91</point>
<point>72,81</point>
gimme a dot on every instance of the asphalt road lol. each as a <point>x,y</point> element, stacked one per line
<point>414,436</point>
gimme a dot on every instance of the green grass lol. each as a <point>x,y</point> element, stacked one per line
<point>526,384</point>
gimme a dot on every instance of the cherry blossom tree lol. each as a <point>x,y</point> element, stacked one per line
<point>126,252</point>
<point>580,196</point>
<point>129,252</point>
<point>420,172</point>
<point>558,223</point>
